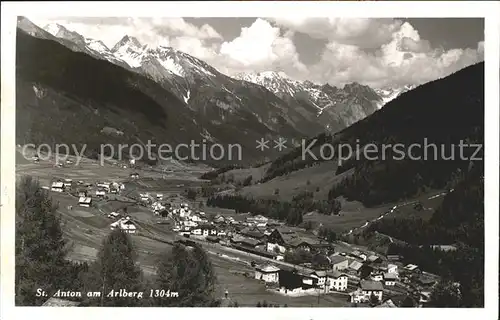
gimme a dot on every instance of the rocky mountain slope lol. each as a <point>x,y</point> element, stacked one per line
<point>223,109</point>
<point>417,117</point>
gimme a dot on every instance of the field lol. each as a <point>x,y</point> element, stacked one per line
<point>317,179</point>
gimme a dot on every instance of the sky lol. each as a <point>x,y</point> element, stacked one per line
<point>380,52</point>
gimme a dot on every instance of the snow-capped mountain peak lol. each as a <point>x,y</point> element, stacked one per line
<point>60,31</point>
<point>130,50</point>
<point>128,42</point>
<point>387,93</point>
<point>97,45</point>
<point>276,82</point>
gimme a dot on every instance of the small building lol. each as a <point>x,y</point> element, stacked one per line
<point>113,215</point>
<point>100,193</point>
<point>356,266</point>
<point>58,302</point>
<point>208,230</point>
<point>82,193</point>
<point>321,275</point>
<point>392,268</point>
<point>377,276</point>
<point>374,259</point>
<point>366,289</point>
<point>394,257</point>
<point>336,281</point>
<point>124,224</point>
<point>412,268</point>
<point>359,255</point>
<point>134,175</point>
<point>268,273</point>
<point>68,183</point>
<point>387,304</point>
<point>57,186</point>
<point>338,262</point>
<point>390,279</point>
<point>85,202</point>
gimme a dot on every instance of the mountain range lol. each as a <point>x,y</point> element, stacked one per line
<point>222,109</point>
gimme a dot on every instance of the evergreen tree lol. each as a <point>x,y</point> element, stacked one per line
<point>114,269</point>
<point>39,244</point>
<point>189,272</point>
<point>445,295</point>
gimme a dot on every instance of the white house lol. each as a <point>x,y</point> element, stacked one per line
<point>411,268</point>
<point>208,230</point>
<point>124,224</point>
<point>273,247</point>
<point>57,186</point>
<point>196,231</point>
<point>356,266</point>
<point>377,276</point>
<point>322,277</point>
<point>392,268</point>
<point>221,233</point>
<point>195,218</point>
<point>100,193</point>
<point>268,273</point>
<point>390,279</point>
<point>67,183</point>
<point>84,202</point>
<point>113,215</point>
<point>336,281</point>
<point>366,289</point>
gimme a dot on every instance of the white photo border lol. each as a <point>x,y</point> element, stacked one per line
<point>438,9</point>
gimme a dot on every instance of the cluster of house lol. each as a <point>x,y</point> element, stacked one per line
<point>84,190</point>
<point>288,280</point>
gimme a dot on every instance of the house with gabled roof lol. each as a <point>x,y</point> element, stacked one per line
<point>85,202</point>
<point>336,280</point>
<point>267,273</point>
<point>367,288</point>
<point>57,186</point>
<point>124,224</point>
<point>338,262</point>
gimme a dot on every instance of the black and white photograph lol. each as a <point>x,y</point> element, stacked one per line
<point>250,161</point>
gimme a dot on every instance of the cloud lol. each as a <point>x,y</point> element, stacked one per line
<point>377,52</point>
<point>363,32</point>
<point>405,59</point>
<point>151,31</point>
<point>262,47</point>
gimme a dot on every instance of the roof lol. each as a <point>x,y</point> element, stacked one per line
<point>56,302</point>
<point>57,184</point>
<point>387,304</point>
<point>390,276</point>
<point>335,274</point>
<point>371,285</point>
<point>249,241</point>
<point>84,200</point>
<point>411,267</point>
<point>268,268</point>
<point>337,259</point>
<point>319,273</point>
<point>355,265</point>
<point>372,258</point>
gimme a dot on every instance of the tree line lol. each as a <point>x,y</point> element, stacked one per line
<point>459,220</point>
<point>289,211</point>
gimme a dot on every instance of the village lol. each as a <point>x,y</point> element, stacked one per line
<point>291,261</point>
